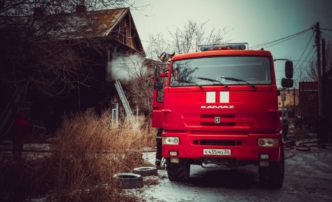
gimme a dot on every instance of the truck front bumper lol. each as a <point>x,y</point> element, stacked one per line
<point>241,147</point>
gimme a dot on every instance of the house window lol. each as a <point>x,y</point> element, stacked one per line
<point>115,114</point>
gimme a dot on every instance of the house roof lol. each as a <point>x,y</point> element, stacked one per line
<point>81,24</point>
<point>105,20</point>
<point>75,25</point>
<point>101,23</point>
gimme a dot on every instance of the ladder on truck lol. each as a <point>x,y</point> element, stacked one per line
<point>123,98</point>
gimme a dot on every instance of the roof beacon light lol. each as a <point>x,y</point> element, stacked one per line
<point>230,46</point>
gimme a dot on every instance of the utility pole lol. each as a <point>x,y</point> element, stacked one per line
<point>320,94</point>
<point>323,78</point>
<point>283,98</point>
<point>294,103</point>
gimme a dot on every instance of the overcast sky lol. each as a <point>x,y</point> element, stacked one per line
<point>252,21</point>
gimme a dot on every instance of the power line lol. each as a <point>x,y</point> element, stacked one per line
<point>267,43</point>
<point>326,29</point>
<point>300,67</point>
<point>302,60</point>
<point>326,35</point>
<point>280,42</point>
<point>305,49</point>
<point>281,39</point>
<point>306,58</point>
<point>303,54</point>
<point>311,52</point>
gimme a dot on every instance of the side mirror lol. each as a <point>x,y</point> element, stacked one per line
<point>289,69</point>
<point>158,85</point>
<point>157,73</point>
<point>171,54</point>
<point>165,56</point>
<point>287,83</point>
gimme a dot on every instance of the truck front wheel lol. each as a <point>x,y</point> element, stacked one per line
<point>272,177</point>
<point>178,171</point>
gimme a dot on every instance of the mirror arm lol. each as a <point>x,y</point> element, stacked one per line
<point>157,73</point>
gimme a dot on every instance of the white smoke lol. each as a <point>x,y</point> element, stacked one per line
<point>126,67</point>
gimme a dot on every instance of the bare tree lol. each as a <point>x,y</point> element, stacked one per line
<point>157,45</point>
<point>23,7</point>
<point>43,43</point>
<point>312,73</point>
<point>192,34</point>
<point>309,99</point>
<point>185,39</point>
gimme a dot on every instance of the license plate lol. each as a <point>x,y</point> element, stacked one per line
<point>221,152</point>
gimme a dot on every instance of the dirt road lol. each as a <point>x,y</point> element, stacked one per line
<point>308,177</point>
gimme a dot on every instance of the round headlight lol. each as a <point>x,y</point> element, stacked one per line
<point>261,142</point>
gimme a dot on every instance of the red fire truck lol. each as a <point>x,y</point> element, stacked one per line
<point>219,107</point>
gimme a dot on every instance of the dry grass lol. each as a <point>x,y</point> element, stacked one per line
<point>86,154</point>
<point>150,181</point>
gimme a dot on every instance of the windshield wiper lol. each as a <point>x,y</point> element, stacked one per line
<point>185,81</point>
<point>238,80</point>
<point>212,80</point>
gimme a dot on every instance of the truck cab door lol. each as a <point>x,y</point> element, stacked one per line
<point>158,97</point>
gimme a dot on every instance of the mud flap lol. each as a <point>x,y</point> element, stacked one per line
<point>158,142</point>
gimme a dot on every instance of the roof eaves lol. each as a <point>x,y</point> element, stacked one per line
<point>124,12</point>
<point>139,39</point>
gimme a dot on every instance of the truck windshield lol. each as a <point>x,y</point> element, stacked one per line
<point>243,70</point>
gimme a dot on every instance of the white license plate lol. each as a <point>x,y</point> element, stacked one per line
<point>222,152</point>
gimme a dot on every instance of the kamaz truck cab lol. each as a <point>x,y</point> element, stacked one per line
<point>219,106</point>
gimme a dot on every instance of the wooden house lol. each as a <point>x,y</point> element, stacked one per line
<point>115,33</point>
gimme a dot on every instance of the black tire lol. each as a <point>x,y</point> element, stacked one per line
<point>178,171</point>
<point>128,180</point>
<point>145,171</point>
<point>272,177</point>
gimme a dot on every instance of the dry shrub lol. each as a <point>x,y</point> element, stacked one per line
<point>86,154</point>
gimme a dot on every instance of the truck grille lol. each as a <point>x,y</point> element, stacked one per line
<point>226,120</point>
<point>219,124</point>
<point>217,142</point>
<point>243,121</point>
<point>211,116</point>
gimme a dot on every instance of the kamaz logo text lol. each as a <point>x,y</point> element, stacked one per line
<point>217,107</point>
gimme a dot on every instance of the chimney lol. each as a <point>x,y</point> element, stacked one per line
<point>80,8</point>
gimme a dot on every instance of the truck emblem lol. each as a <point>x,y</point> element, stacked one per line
<point>217,107</point>
<point>217,120</point>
